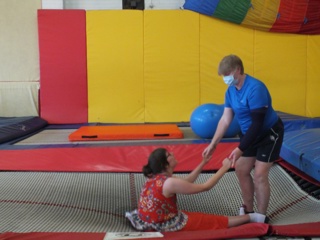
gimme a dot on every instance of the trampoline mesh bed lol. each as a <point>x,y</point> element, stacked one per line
<point>97,202</point>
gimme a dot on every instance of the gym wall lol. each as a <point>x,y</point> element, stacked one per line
<point>19,58</point>
<point>152,65</point>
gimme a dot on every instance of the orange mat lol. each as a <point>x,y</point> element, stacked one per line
<point>126,132</point>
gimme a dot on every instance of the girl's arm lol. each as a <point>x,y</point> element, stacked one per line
<point>195,172</point>
<point>180,186</point>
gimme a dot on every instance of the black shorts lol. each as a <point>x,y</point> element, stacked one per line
<point>267,148</point>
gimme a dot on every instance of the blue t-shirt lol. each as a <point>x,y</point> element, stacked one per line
<point>253,95</point>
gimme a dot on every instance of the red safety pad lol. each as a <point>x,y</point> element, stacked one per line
<point>63,66</point>
<point>245,231</point>
<point>107,159</point>
<point>123,132</point>
<point>297,230</point>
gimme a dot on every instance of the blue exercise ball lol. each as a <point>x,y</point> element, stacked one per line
<point>234,129</point>
<point>205,118</point>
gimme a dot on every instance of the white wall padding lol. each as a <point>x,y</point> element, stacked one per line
<point>19,54</point>
<point>18,99</point>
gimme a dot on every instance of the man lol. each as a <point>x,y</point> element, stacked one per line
<point>261,132</point>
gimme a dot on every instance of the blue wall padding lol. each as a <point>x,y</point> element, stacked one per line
<point>301,148</point>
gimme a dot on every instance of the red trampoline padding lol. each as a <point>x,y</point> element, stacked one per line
<point>126,132</point>
<point>51,236</point>
<point>298,172</point>
<point>249,230</point>
<point>297,230</point>
<point>107,159</point>
<point>245,231</point>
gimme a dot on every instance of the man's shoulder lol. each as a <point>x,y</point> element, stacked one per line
<point>254,81</point>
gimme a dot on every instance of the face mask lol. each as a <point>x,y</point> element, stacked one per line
<point>229,80</point>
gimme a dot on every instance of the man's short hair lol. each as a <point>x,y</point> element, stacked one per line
<point>230,63</point>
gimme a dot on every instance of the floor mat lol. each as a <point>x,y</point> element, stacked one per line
<point>126,132</point>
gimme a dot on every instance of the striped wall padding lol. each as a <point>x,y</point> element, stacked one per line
<point>294,16</point>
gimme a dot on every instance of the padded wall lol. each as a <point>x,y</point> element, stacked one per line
<point>313,73</point>
<point>157,66</point>
<point>280,62</point>
<point>216,41</point>
<point>19,58</point>
<point>63,66</point>
<point>286,63</point>
<point>115,66</point>
<point>171,65</point>
<point>19,99</point>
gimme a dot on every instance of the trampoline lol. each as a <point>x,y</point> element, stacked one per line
<point>56,189</point>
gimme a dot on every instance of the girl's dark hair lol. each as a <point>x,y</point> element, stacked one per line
<point>157,163</point>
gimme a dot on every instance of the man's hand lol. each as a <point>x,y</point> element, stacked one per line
<point>234,156</point>
<point>208,151</point>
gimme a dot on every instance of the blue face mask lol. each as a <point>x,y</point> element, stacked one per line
<point>229,80</point>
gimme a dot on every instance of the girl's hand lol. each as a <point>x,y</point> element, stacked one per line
<point>206,159</point>
<point>226,163</point>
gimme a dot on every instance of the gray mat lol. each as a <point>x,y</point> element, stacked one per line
<point>96,202</point>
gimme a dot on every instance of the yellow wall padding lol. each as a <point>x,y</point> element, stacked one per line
<point>217,39</point>
<point>171,65</point>
<point>159,65</point>
<point>313,79</point>
<point>115,66</point>
<point>280,62</point>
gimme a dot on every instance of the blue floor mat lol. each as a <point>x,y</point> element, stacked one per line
<point>301,148</point>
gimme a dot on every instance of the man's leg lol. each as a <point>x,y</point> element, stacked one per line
<point>244,166</point>
<point>262,186</point>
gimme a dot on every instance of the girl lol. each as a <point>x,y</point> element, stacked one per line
<point>157,208</point>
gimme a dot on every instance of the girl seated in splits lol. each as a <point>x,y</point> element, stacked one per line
<point>157,208</point>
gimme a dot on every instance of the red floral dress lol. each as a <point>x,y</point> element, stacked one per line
<point>155,211</point>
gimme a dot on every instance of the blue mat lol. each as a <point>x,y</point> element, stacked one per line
<point>12,128</point>
<point>295,122</point>
<point>301,148</point>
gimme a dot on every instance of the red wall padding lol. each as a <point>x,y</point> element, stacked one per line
<point>63,66</point>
